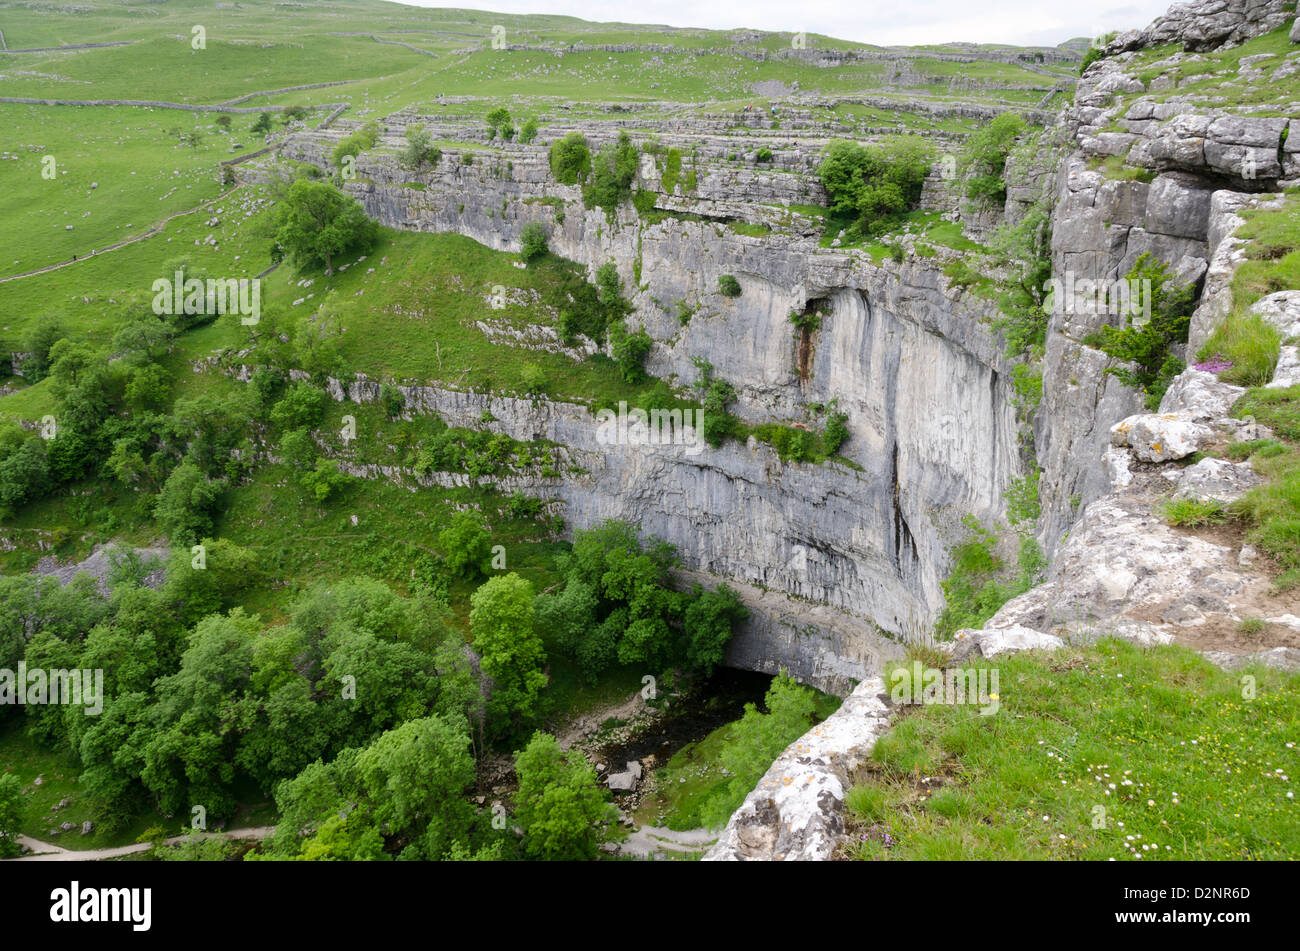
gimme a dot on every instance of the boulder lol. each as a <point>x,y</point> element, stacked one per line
<point>990,643</point>
<point>1287,371</point>
<point>1197,395</point>
<point>621,782</point>
<point>1216,479</point>
<point>1159,437</point>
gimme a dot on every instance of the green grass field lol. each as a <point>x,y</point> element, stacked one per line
<point>1112,752</point>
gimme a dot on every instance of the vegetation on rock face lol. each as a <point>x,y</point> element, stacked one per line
<point>420,150</point>
<point>983,161</point>
<point>570,159</point>
<point>533,241</point>
<point>1146,343</point>
<point>613,170</point>
<point>875,184</point>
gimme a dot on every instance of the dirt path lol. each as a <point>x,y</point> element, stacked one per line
<point>48,852</point>
<point>124,242</point>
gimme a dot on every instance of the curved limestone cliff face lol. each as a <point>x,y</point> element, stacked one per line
<point>913,364</point>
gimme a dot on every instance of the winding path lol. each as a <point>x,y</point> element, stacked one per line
<point>48,852</point>
<point>124,242</point>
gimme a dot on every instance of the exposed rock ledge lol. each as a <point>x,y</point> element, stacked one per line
<point>796,813</point>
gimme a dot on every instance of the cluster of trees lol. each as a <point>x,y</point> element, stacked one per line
<point>617,606</point>
<point>875,184</point>
<point>362,712</point>
<point>114,418</point>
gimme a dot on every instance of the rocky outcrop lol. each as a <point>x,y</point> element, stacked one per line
<point>1207,24</point>
<point>796,813</point>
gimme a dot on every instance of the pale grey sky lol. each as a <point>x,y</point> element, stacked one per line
<point>912,22</point>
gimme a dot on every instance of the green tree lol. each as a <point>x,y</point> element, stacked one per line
<point>263,124</point>
<point>500,123</point>
<point>562,810</point>
<point>416,776</point>
<point>187,503</point>
<point>1148,345</point>
<point>420,149</point>
<point>528,132</point>
<point>570,159</point>
<point>758,739</point>
<point>503,626</point>
<point>612,173</point>
<point>466,545</point>
<point>315,222</point>
<point>532,241</point>
<point>984,159</point>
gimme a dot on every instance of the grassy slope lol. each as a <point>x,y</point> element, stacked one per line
<point>1181,763</point>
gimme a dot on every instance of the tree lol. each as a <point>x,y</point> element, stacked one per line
<point>419,149</point>
<point>466,545</point>
<point>190,758</point>
<point>263,124</point>
<point>500,123</point>
<point>985,157</point>
<point>532,241</point>
<point>223,122</point>
<point>11,810</point>
<point>528,132</point>
<point>39,342</point>
<point>876,184</point>
<point>187,502</point>
<point>757,740</point>
<point>709,619</point>
<point>316,221</point>
<point>415,776</point>
<point>502,623</point>
<point>570,159</point>
<point>612,173</point>
<point>559,805</point>
<point>356,143</point>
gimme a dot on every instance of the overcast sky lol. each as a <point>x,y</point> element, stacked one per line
<point>912,22</point>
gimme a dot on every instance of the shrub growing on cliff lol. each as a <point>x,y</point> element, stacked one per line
<point>356,143</point>
<point>613,171</point>
<point>528,132</point>
<point>532,241</point>
<point>419,149</point>
<point>876,184</point>
<point>1147,346</point>
<point>500,123</point>
<point>570,159</point>
<point>985,157</point>
<point>728,286</point>
<point>630,350</point>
